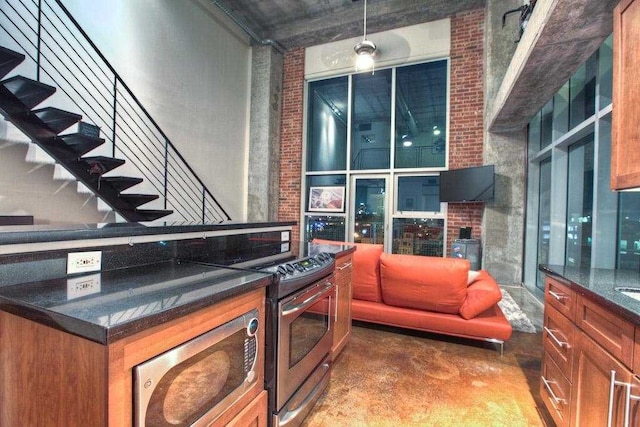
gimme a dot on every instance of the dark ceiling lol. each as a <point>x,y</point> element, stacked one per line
<point>303,23</point>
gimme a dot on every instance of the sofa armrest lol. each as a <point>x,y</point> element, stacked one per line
<point>482,294</point>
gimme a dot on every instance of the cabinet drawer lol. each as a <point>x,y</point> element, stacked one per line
<point>344,268</point>
<point>561,297</point>
<point>636,353</point>
<point>555,391</point>
<point>559,339</point>
<point>613,333</point>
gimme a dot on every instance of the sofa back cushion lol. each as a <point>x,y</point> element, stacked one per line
<point>366,270</point>
<point>424,283</point>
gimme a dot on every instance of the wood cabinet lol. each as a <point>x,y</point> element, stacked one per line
<point>50,377</point>
<point>559,336</point>
<point>600,388</point>
<point>342,320</point>
<point>625,143</point>
<point>588,362</point>
<point>253,415</point>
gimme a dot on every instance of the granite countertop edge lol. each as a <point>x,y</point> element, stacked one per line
<point>599,285</point>
<point>34,234</point>
<point>107,335</point>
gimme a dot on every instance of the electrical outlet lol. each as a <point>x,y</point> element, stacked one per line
<point>82,286</point>
<point>84,262</point>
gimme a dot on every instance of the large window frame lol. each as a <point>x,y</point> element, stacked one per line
<point>392,174</point>
<point>605,202</point>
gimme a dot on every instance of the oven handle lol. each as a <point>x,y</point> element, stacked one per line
<point>308,301</point>
<point>311,398</point>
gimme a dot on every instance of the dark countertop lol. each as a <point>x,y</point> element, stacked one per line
<point>108,306</point>
<point>53,233</point>
<point>599,285</point>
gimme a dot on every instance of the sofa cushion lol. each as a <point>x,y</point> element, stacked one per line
<point>425,283</point>
<point>366,270</point>
<point>482,294</point>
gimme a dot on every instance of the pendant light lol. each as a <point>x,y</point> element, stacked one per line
<point>366,50</point>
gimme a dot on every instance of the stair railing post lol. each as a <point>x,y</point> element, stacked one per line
<point>115,103</point>
<point>39,39</point>
<point>166,170</point>
<point>204,201</point>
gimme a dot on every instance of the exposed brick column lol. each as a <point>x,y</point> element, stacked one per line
<point>291,138</point>
<point>466,127</point>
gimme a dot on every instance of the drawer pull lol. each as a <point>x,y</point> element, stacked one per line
<point>552,335</point>
<point>557,296</point>
<point>554,399</point>
<point>345,265</point>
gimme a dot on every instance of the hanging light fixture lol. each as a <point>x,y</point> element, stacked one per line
<point>366,50</point>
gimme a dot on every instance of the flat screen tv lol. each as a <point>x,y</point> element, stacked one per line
<point>475,184</point>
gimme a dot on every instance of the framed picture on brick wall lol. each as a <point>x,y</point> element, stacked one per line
<point>326,199</point>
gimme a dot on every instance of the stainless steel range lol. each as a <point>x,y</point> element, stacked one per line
<point>300,310</point>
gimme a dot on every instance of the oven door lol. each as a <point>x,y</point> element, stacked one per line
<point>305,335</point>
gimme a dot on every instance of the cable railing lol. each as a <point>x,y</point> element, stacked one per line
<point>405,157</point>
<point>61,54</point>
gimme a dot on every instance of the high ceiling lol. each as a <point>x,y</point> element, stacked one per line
<point>303,23</point>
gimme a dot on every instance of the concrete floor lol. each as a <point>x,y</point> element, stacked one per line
<point>396,377</point>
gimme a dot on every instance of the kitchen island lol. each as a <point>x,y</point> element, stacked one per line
<point>70,342</point>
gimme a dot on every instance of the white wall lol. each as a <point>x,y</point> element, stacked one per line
<point>190,67</point>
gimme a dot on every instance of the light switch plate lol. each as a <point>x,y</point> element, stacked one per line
<point>84,262</point>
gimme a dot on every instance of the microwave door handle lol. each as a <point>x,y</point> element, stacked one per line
<point>306,302</point>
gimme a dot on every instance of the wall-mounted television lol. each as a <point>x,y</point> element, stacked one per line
<point>475,184</point>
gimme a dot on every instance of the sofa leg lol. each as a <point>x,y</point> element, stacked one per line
<point>499,342</point>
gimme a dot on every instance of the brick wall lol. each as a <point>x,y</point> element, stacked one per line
<point>466,127</point>
<point>291,138</point>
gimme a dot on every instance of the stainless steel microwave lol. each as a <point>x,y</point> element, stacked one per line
<point>192,384</point>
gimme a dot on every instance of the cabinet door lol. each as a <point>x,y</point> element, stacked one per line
<point>253,415</point>
<point>342,323</point>
<point>600,387</point>
<point>625,155</point>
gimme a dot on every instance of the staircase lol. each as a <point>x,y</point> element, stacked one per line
<point>19,97</point>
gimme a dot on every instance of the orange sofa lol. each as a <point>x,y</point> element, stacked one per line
<point>432,294</point>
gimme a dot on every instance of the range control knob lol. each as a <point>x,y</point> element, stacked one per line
<point>289,268</point>
<point>282,270</point>
<point>299,267</point>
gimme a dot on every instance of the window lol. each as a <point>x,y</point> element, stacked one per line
<point>574,218</point>
<point>580,203</point>
<point>418,194</point>
<point>327,125</point>
<point>382,138</point>
<point>544,217</point>
<point>629,231</point>
<point>371,121</point>
<point>421,115</point>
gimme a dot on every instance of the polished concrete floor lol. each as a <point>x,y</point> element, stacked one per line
<point>396,377</point>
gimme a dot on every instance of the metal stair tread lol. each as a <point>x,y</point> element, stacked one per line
<point>137,199</point>
<point>28,91</point>
<point>9,60</point>
<point>56,119</point>
<point>80,143</point>
<point>148,214</point>
<point>121,183</point>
